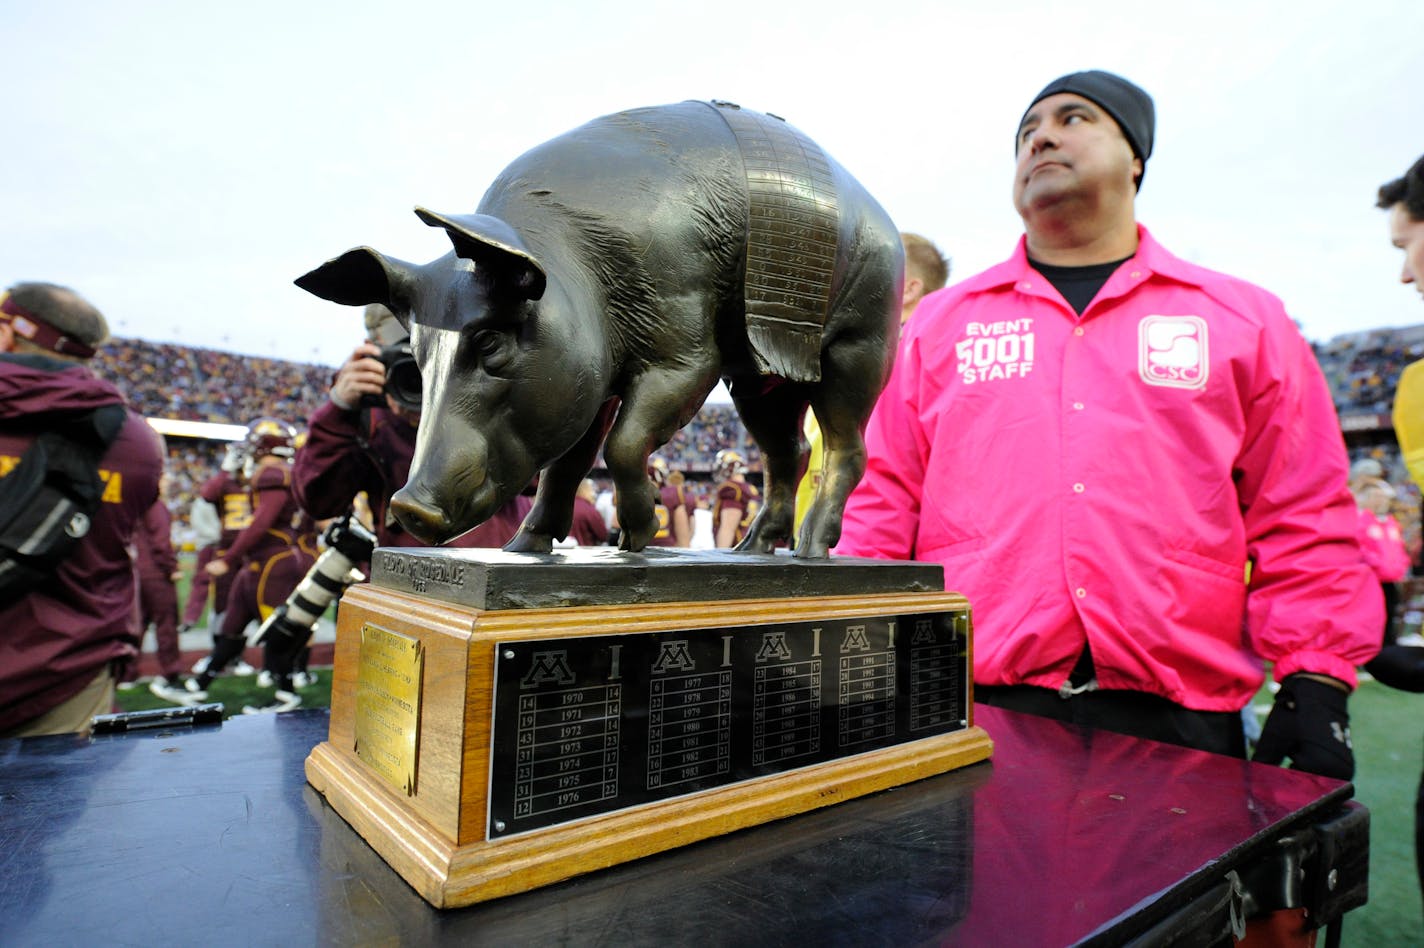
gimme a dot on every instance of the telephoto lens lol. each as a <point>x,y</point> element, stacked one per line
<point>290,626</point>
<point>402,375</point>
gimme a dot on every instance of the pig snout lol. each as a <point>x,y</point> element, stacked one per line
<point>446,496</point>
<point>421,517</point>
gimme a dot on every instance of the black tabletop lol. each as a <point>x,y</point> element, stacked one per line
<point>212,836</point>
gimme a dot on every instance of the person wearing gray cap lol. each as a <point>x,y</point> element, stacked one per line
<point>1130,464</point>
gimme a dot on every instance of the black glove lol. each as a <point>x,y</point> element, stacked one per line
<point>1399,666</point>
<point>1310,724</point>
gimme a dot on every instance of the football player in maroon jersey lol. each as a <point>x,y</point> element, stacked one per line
<point>737,501</point>
<point>266,559</point>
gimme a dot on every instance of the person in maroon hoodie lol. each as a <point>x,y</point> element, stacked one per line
<point>266,560</point>
<point>158,591</point>
<point>363,440</point>
<point>227,494</point>
<point>65,640</point>
<point>588,528</point>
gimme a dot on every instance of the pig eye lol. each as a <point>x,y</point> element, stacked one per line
<point>489,348</point>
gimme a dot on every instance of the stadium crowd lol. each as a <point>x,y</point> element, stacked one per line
<point>164,380</point>
<point>191,384</point>
<point>1363,368</point>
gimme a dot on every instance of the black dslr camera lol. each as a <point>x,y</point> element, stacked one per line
<point>402,375</point>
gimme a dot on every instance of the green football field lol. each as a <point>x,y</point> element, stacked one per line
<point>1388,731</point>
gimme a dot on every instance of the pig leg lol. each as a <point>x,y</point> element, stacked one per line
<point>773,418</point>
<point>655,406</point>
<point>842,409</point>
<point>553,511</point>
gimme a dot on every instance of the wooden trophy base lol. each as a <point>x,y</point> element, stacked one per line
<point>488,751</point>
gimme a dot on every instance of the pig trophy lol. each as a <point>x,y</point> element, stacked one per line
<point>607,280</point>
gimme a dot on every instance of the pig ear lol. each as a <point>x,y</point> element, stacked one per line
<point>493,245</point>
<point>358,277</point>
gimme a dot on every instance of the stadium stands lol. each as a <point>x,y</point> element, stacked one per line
<point>164,380</point>
<point>181,382</point>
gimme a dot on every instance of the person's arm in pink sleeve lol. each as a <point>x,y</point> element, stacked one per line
<point>1314,605</point>
<point>1397,562</point>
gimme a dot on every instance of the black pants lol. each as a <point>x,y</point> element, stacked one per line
<point>1419,834</point>
<point>1402,667</point>
<point>1126,712</point>
<point>1391,606</point>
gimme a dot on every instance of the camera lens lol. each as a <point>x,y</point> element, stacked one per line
<point>402,376</point>
<point>403,384</point>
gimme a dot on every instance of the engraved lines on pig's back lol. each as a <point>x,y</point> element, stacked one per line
<point>794,214</point>
<point>793,230</point>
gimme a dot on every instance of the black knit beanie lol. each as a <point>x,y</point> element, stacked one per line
<point>1129,106</point>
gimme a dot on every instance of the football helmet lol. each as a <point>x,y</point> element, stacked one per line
<point>269,436</point>
<point>728,464</point>
<point>658,470</point>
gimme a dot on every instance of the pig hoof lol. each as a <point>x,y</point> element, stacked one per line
<point>525,542</point>
<point>812,551</point>
<point>632,544</point>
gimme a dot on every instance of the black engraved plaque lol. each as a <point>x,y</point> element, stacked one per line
<point>588,725</point>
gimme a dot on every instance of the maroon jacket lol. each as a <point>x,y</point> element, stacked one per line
<point>588,527</point>
<point>153,543</point>
<point>348,452</point>
<point>59,636</point>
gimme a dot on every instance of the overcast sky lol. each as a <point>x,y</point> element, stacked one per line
<point>181,163</point>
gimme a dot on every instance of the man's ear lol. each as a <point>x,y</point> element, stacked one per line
<point>914,289</point>
<point>7,336</point>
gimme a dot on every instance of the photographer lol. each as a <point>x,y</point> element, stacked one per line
<point>363,439</point>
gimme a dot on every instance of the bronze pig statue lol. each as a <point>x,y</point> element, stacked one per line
<point>607,280</point>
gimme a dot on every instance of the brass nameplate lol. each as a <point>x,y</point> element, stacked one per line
<point>388,677</point>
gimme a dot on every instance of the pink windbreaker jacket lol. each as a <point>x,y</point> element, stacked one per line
<point>1382,543</point>
<point>1107,479</point>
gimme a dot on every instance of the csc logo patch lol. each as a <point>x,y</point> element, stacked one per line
<point>1172,351</point>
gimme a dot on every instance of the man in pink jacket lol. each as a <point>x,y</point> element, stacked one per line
<point>1131,466</point>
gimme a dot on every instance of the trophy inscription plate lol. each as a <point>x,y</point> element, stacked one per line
<point>387,719</point>
<point>589,725</point>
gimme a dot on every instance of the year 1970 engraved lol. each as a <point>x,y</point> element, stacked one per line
<point>567,749</point>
